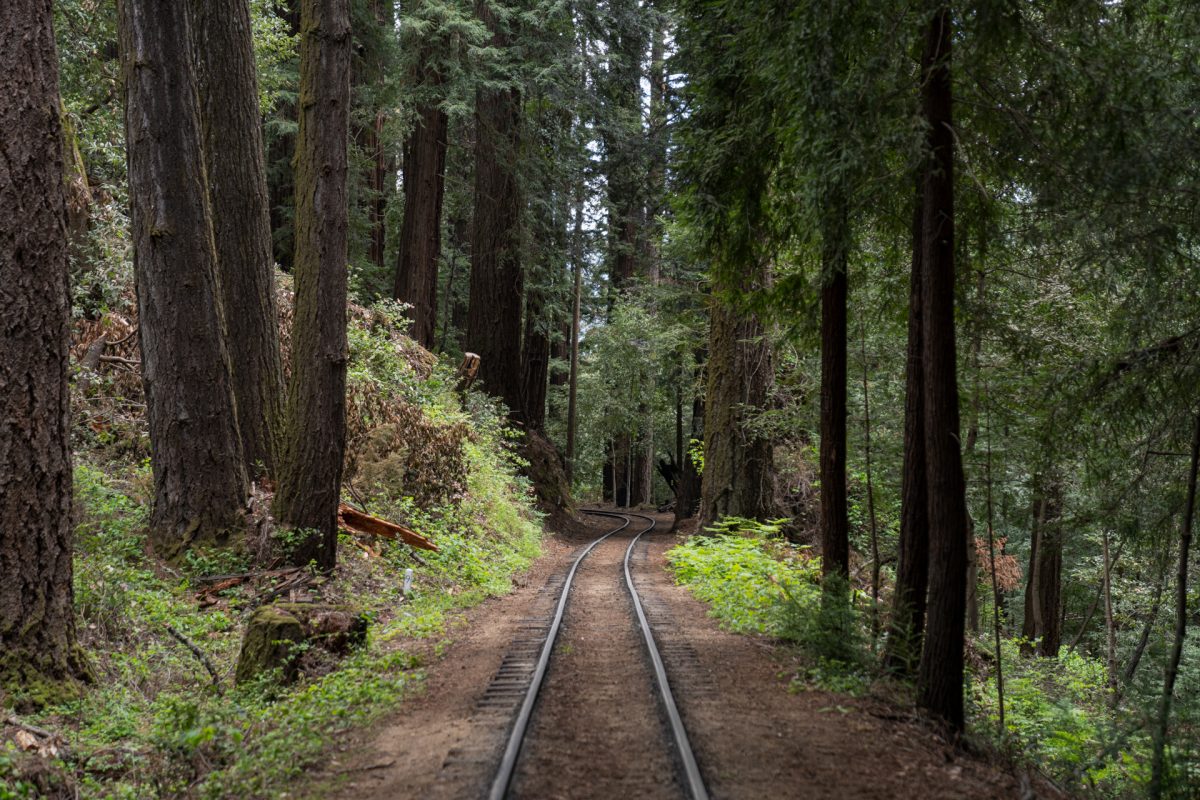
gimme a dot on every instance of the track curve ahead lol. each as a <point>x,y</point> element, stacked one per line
<point>683,749</point>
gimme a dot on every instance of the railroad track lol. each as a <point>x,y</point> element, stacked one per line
<point>691,778</point>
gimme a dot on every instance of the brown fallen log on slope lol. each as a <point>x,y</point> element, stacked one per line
<point>355,521</point>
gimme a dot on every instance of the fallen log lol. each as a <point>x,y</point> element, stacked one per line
<point>355,521</point>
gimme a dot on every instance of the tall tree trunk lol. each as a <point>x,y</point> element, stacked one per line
<point>421,233</point>
<point>1110,629</point>
<point>835,539</point>
<point>196,452</point>
<point>876,567</point>
<point>310,473</point>
<point>687,501</point>
<point>39,658</point>
<point>237,190</point>
<point>535,361</point>
<point>497,279</point>
<point>940,679</point>
<point>903,649</point>
<point>1043,591</point>
<point>739,470</point>
<point>577,294</point>
<point>1171,672</point>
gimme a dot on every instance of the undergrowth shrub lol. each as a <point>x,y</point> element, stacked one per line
<point>1057,715</point>
<point>154,724</point>
<point>757,582</point>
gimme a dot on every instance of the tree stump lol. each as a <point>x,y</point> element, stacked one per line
<point>290,638</point>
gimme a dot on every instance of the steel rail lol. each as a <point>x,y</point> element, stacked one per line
<point>683,746</point>
<point>512,749</point>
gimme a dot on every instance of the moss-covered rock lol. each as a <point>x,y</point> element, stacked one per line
<point>280,637</point>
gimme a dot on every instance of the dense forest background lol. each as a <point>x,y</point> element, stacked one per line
<point>912,285</point>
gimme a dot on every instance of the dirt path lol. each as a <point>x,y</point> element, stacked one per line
<point>592,737</point>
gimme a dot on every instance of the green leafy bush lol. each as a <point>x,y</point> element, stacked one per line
<point>757,582</point>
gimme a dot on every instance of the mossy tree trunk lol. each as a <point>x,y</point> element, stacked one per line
<point>39,657</point>
<point>196,451</point>
<point>310,472</point>
<point>237,190</point>
<point>739,469</point>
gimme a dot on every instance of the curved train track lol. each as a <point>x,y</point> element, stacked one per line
<point>691,777</point>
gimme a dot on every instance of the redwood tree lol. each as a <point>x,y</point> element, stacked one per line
<point>37,619</point>
<point>497,278</point>
<point>739,470</point>
<point>196,452</point>
<point>835,528</point>
<point>424,187</point>
<point>1043,588</point>
<point>237,190</point>
<point>912,570</point>
<point>310,472</point>
<point>940,680</point>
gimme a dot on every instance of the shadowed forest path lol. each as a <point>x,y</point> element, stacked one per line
<point>596,732</point>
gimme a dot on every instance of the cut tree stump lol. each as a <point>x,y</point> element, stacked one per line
<point>276,636</point>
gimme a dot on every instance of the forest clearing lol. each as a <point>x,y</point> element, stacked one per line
<point>639,399</point>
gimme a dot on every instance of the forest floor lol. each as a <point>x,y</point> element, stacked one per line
<point>592,737</point>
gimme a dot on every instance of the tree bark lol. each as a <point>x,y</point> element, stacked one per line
<point>940,679</point>
<point>421,233</point>
<point>687,500</point>
<point>535,361</point>
<point>497,279</point>
<point>835,539</point>
<point>903,649</point>
<point>739,470</point>
<point>199,474</point>
<point>241,220</point>
<point>38,649</point>
<point>577,295</point>
<point>1043,591</point>
<point>315,436</point>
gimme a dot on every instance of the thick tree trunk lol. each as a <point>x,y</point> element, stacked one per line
<point>237,190</point>
<point>940,680</point>
<point>903,649</point>
<point>739,470</point>
<point>421,233</point>
<point>497,279</point>
<point>196,451</point>
<point>835,528</point>
<point>39,658</point>
<point>535,362</point>
<point>310,471</point>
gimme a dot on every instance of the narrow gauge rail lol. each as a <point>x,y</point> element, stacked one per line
<point>512,748</point>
